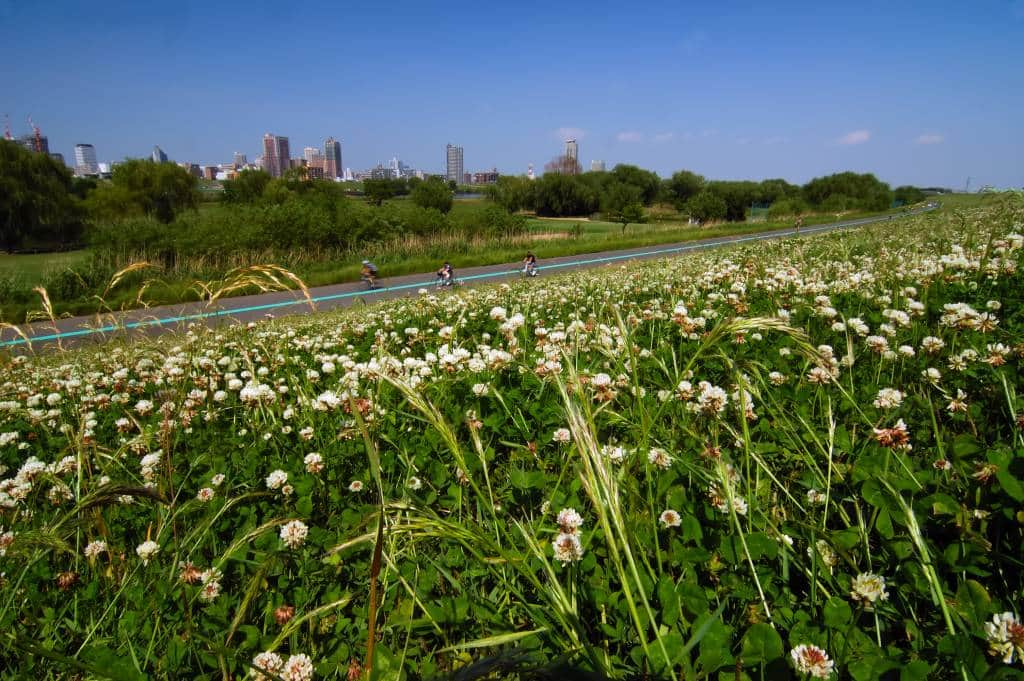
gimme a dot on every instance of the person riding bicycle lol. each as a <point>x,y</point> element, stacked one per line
<point>446,275</point>
<point>368,273</point>
<point>530,265</point>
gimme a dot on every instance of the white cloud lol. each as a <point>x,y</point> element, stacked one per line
<point>855,137</point>
<point>630,136</point>
<point>663,137</point>
<point>569,133</point>
<point>777,139</point>
<point>930,139</point>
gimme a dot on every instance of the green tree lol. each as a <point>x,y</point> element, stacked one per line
<point>908,195</point>
<point>849,190</point>
<point>378,191</point>
<point>623,203</point>
<point>682,186</point>
<point>647,182</point>
<point>36,201</point>
<point>432,193</point>
<point>247,187</point>
<point>706,206</point>
<point>139,186</point>
<point>560,195</point>
<point>513,193</point>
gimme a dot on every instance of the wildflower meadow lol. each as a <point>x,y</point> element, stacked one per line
<point>797,459</point>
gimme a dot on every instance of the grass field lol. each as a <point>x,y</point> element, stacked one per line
<point>800,459</point>
<point>33,268</point>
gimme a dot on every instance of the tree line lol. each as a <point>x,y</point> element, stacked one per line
<point>150,208</point>
<point>626,190</point>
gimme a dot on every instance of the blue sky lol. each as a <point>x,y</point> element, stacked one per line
<point>916,92</point>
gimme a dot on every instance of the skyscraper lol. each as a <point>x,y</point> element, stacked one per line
<point>454,170</point>
<point>597,166</point>
<point>276,155</point>
<point>332,158</point>
<point>85,160</point>
<point>158,155</point>
<point>240,160</point>
<point>572,150</point>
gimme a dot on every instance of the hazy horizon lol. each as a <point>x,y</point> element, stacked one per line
<point>910,93</point>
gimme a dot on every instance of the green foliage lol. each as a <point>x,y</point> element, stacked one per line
<point>558,195</point>
<point>247,187</point>
<point>379,191</point>
<point>843,191</point>
<point>38,205</point>
<point>141,187</point>
<point>908,195</point>
<point>513,193</point>
<point>706,206</point>
<point>432,193</point>
<point>682,186</point>
<point>785,208</point>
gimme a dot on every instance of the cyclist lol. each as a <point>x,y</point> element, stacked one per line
<point>446,275</point>
<point>530,265</point>
<point>368,273</point>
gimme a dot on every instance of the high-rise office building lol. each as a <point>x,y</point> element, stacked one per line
<point>311,154</point>
<point>276,155</point>
<point>85,160</point>
<point>57,156</point>
<point>332,159</point>
<point>572,150</point>
<point>240,160</point>
<point>597,166</point>
<point>158,155</point>
<point>454,170</point>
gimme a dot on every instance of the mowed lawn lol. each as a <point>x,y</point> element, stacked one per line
<point>33,268</point>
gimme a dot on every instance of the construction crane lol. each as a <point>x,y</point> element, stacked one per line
<point>37,140</point>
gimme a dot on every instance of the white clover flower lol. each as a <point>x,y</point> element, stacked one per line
<point>276,479</point>
<point>815,497</point>
<point>355,486</point>
<point>670,518</point>
<point>209,591</point>
<point>659,457</point>
<point>615,453</point>
<point>293,533</point>
<point>562,435</point>
<point>888,398</point>
<point>147,550</point>
<point>95,548</point>
<point>812,660</point>
<point>1005,635</point>
<point>569,520</point>
<point>266,666</point>
<point>867,588</point>
<point>217,480</point>
<point>480,389</point>
<point>568,548</point>
<point>206,494</point>
<point>414,483</point>
<point>297,668</point>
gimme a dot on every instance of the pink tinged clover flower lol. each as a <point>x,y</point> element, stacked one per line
<point>812,660</point>
<point>1005,635</point>
<point>293,533</point>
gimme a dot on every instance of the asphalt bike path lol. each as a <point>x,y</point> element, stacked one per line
<point>76,331</point>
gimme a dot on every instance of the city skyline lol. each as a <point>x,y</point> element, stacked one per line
<point>912,95</point>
